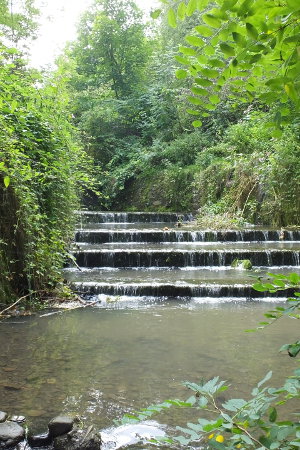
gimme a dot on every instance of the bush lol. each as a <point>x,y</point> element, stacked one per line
<point>42,171</point>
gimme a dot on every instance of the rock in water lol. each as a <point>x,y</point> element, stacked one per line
<point>60,425</point>
<point>3,416</point>
<point>40,440</point>
<point>86,439</point>
<point>244,264</point>
<point>10,434</point>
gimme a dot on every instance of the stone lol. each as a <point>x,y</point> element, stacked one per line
<point>39,440</point>
<point>242,264</point>
<point>3,416</point>
<point>18,419</point>
<point>10,434</point>
<point>60,425</point>
<point>79,439</point>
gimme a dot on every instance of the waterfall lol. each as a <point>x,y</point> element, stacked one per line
<point>145,254</point>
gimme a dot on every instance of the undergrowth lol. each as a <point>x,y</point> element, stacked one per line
<point>42,172</point>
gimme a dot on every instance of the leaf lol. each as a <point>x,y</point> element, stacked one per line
<point>209,50</point>
<point>294,38</point>
<point>195,100</point>
<point>191,7</point>
<point>209,106</point>
<point>214,62</point>
<point>204,31</point>
<point>259,287</point>
<point>203,82</point>
<point>255,58</point>
<point>294,278</point>
<point>199,91</point>
<point>187,51</point>
<point>194,40</point>
<point>227,49</point>
<point>291,92</point>
<point>251,30</point>
<point>273,415</point>
<point>228,4</point>
<point>266,378</point>
<point>239,39</point>
<point>245,8</point>
<point>214,99</point>
<point>211,73</point>
<point>182,60</point>
<point>294,349</point>
<point>6,181</point>
<point>217,445</point>
<point>211,20</point>
<point>181,11</point>
<point>193,112</point>
<point>155,14</point>
<point>197,123</point>
<point>172,18</point>
<point>203,402</point>
<point>195,426</point>
<point>181,74</point>
<point>234,404</point>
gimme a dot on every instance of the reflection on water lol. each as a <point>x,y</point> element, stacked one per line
<point>104,362</point>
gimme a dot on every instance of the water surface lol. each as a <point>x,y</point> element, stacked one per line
<point>103,362</point>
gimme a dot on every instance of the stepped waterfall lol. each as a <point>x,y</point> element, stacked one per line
<point>163,255</point>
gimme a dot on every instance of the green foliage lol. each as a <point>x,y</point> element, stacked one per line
<point>279,282</point>
<point>236,423</point>
<point>41,170</point>
<point>111,50</point>
<point>17,21</point>
<point>242,264</point>
<point>249,47</point>
<point>249,172</point>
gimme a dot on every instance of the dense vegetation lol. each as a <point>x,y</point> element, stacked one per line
<point>136,115</point>
<point>174,119</point>
<point>42,168</point>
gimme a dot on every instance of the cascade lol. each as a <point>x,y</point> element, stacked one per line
<point>164,255</point>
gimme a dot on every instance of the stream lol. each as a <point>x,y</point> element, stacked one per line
<point>171,309</point>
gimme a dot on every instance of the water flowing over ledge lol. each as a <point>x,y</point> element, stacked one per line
<point>164,255</point>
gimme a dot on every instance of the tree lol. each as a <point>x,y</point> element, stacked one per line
<point>17,21</point>
<point>250,47</point>
<point>111,48</point>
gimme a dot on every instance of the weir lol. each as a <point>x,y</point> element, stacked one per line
<point>164,255</point>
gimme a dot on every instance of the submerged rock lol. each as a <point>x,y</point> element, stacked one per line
<point>60,425</point>
<point>83,439</point>
<point>10,434</point>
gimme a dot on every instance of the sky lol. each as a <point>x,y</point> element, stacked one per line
<point>58,25</point>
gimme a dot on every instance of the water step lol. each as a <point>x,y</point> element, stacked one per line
<point>172,290</point>
<point>183,258</point>
<point>194,276</point>
<point>131,217</point>
<point>156,282</point>
<point>190,246</point>
<point>155,235</point>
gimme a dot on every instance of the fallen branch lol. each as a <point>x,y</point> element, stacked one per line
<point>14,304</point>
